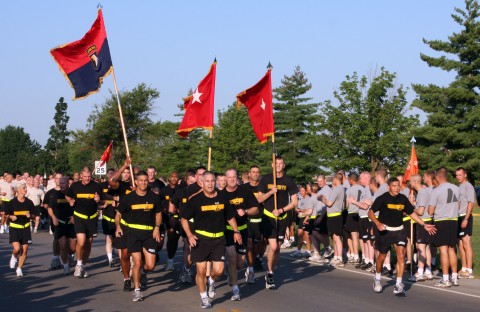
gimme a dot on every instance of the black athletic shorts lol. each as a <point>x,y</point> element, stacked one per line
<point>446,233</point>
<point>89,227</point>
<point>466,231</point>
<point>209,249</point>
<point>320,225</point>
<point>365,228</point>
<point>300,223</point>
<point>36,211</point>
<point>386,239</point>
<point>335,225</point>
<point>407,229</point>
<point>274,229</point>
<point>139,239</point>
<point>255,229</point>
<point>421,235</point>
<point>22,236</point>
<point>182,231</point>
<point>353,223</point>
<point>229,237</point>
<point>62,230</point>
<point>108,227</point>
<point>121,242</point>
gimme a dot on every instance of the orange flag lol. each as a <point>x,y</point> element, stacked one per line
<point>107,154</point>
<point>258,100</point>
<point>412,167</point>
<point>199,106</point>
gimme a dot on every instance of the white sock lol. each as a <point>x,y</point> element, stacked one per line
<point>203,295</point>
<point>454,276</point>
<point>464,269</point>
<point>388,266</point>
<point>355,257</point>
<point>399,280</point>
<point>470,271</point>
<point>79,262</point>
<point>445,277</point>
<point>210,280</point>
<point>110,256</point>
<point>428,270</point>
<point>378,276</point>
<point>420,271</point>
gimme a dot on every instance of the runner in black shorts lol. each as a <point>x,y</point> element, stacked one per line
<point>108,219</point>
<point>19,210</point>
<point>55,263</point>
<point>244,204</point>
<point>141,210</point>
<point>61,214</point>
<point>85,196</point>
<point>210,209</point>
<point>172,221</point>
<point>391,207</point>
<point>121,189</point>
<point>274,216</point>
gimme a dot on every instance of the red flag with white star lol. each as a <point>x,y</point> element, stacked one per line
<point>199,106</point>
<point>107,154</point>
<point>258,100</point>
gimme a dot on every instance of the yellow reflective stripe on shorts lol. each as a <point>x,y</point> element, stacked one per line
<point>209,234</point>
<point>85,216</point>
<point>255,220</point>
<point>427,219</point>
<point>462,214</point>
<point>86,196</point>
<point>19,226</point>
<point>446,219</point>
<point>5,199</point>
<point>241,227</point>
<point>313,217</point>
<point>271,215</point>
<point>363,217</point>
<point>140,227</point>
<point>123,222</point>
<point>334,214</point>
<point>109,219</point>
<point>175,216</point>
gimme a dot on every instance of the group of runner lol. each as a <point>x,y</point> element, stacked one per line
<point>224,219</point>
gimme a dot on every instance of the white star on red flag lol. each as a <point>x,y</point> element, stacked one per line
<point>196,96</point>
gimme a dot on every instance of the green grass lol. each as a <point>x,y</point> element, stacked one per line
<point>476,242</point>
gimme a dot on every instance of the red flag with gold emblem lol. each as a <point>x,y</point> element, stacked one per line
<point>412,167</point>
<point>106,154</point>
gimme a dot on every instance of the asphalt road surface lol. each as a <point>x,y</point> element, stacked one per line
<point>301,286</point>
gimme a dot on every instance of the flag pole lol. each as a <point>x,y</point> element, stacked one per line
<point>122,123</point>
<point>210,136</point>
<point>411,221</point>
<point>269,67</point>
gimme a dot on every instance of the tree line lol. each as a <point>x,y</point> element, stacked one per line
<point>366,125</point>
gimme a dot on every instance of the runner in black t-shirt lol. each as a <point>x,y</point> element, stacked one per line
<point>85,196</point>
<point>245,204</point>
<point>55,264</point>
<point>108,217</point>
<point>171,222</point>
<point>274,219</point>
<point>19,210</point>
<point>61,214</point>
<point>210,209</point>
<point>391,207</point>
<point>141,210</point>
<point>176,205</point>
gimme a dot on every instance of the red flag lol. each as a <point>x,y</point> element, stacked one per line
<point>87,61</point>
<point>412,167</point>
<point>107,154</point>
<point>199,106</point>
<point>258,100</point>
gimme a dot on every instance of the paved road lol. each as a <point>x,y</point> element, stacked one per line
<point>302,287</point>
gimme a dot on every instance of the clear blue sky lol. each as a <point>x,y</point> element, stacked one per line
<point>170,45</point>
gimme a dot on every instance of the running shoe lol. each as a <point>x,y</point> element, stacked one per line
<point>111,263</point>
<point>328,252</point>
<point>370,267</point>
<point>78,271</point>
<point>377,286</point>
<point>143,281</point>
<point>66,270</point>
<point>296,254</point>
<point>13,262</point>
<point>428,276</point>
<point>359,264</point>
<point>137,295</point>
<point>316,258</point>
<point>235,295</point>
<point>206,303</point>
<point>455,282</point>
<point>257,265</point>
<point>170,267</point>
<point>211,290</point>
<point>466,275</point>
<point>84,273</point>
<point>127,285</point>
<point>19,272</point>
<point>269,281</point>
<point>398,290</point>
<point>442,284</point>
<point>249,277</point>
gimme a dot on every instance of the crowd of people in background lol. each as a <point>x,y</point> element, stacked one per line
<point>239,218</point>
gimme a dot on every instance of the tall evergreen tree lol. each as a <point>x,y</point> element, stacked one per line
<point>296,125</point>
<point>450,137</point>
<point>56,147</point>
<point>369,126</point>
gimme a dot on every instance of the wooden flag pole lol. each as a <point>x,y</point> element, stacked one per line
<point>210,136</point>
<point>123,124</point>
<point>274,171</point>
<point>411,223</point>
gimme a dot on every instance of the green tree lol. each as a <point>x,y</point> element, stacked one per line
<point>369,127</point>
<point>19,153</point>
<point>235,144</point>
<point>296,125</point>
<point>56,147</point>
<point>450,137</point>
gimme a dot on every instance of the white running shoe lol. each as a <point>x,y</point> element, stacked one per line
<point>297,254</point>
<point>236,295</point>
<point>19,272</point>
<point>169,265</point>
<point>377,286</point>
<point>2,229</point>
<point>13,262</point>
<point>249,277</point>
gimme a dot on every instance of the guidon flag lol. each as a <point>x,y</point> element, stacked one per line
<point>258,100</point>
<point>199,105</point>
<point>87,61</point>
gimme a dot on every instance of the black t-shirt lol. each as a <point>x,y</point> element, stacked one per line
<point>241,198</point>
<point>193,189</point>
<point>286,187</point>
<point>391,208</point>
<point>166,194</point>
<point>210,214</point>
<point>48,194</point>
<point>254,190</point>
<point>156,184</point>
<point>20,210</point>
<point>61,208</point>
<point>84,197</point>
<point>109,210</point>
<point>136,209</point>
